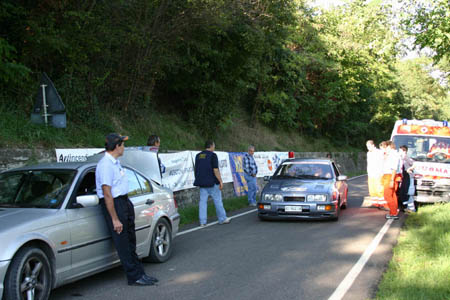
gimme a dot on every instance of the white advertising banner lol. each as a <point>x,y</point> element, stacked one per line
<point>75,155</point>
<point>268,162</point>
<point>177,170</point>
<point>224,164</point>
<point>432,169</point>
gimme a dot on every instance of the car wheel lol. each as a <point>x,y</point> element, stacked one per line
<point>338,211</point>
<point>29,276</point>
<point>161,246</point>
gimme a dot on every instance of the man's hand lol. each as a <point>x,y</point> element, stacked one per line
<point>221,185</point>
<point>118,227</point>
<point>109,202</point>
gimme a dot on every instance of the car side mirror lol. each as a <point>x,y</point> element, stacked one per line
<point>267,178</point>
<point>342,178</point>
<point>87,200</point>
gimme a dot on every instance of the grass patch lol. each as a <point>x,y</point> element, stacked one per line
<point>17,131</point>
<point>189,214</point>
<point>420,267</point>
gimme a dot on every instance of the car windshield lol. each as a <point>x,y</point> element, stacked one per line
<point>37,188</point>
<point>304,171</point>
<point>425,148</point>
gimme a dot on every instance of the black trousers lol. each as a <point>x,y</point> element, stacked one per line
<point>402,195</point>
<point>125,242</point>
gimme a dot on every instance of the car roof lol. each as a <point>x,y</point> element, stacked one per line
<point>322,160</point>
<point>54,166</point>
<point>145,162</point>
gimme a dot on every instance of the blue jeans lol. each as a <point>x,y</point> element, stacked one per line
<point>252,188</point>
<point>216,194</point>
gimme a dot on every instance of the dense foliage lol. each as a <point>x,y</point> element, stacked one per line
<point>333,73</point>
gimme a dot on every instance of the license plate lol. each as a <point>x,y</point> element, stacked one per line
<point>292,208</point>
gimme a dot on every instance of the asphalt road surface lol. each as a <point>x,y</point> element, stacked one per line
<point>253,259</point>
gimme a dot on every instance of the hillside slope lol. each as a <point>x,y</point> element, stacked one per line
<point>16,131</point>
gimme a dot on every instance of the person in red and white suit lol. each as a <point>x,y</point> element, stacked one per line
<point>391,179</point>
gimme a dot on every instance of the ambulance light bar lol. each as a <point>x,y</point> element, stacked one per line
<point>427,122</point>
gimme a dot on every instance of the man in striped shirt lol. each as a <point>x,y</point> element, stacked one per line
<point>250,171</point>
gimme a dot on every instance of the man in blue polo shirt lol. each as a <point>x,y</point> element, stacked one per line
<point>112,189</point>
<point>250,171</point>
<point>208,179</point>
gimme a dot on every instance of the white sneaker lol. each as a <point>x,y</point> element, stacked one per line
<point>202,225</point>
<point>252,204</point>
<point>226,221</point>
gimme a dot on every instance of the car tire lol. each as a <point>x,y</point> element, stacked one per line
<point>29,270</point>
<point>161,246</point>
<point>336,218</point>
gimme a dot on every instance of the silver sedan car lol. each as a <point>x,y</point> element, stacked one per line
<point>53,232</point>
<point>304,189</point>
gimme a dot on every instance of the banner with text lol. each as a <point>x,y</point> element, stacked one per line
<point>268,162</point>
<point>177,170</point>
<point>75,155</point>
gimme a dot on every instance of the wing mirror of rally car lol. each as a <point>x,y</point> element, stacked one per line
<point>291,154</point>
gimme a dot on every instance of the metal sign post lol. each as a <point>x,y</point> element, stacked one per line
<point>44,103</point>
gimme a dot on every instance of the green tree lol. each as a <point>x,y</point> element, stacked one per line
<point>428,21</point>
<point>425,97</point>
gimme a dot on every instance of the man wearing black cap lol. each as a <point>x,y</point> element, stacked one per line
<point>112,189</point>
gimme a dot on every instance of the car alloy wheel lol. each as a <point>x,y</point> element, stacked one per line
<point>161,247</point>
<point>29,276</point>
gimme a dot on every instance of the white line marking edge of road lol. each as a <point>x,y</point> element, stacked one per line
<point>216,222</point>
<point>347,282</point>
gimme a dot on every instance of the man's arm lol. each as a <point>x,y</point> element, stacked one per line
<point>109,202</point>
<point>217,174</point>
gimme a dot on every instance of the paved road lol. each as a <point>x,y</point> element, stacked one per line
<point>251,259</point>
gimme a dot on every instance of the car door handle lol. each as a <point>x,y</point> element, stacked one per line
<point>149,202</point>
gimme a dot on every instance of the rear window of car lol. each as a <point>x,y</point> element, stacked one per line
<point>36,188</point>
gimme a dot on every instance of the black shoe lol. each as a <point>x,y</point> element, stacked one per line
<point>155,280</point>
<point>142,282</point>
<point>391,217</point>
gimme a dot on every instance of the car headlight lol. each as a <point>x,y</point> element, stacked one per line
<point>316,198</point>
<point>273,197</point>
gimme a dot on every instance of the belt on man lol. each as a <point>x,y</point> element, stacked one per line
<point>121,197</point>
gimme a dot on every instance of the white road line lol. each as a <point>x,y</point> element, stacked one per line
<point>216,222</point>
<point>356,177</point>
<point>345,285</point>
